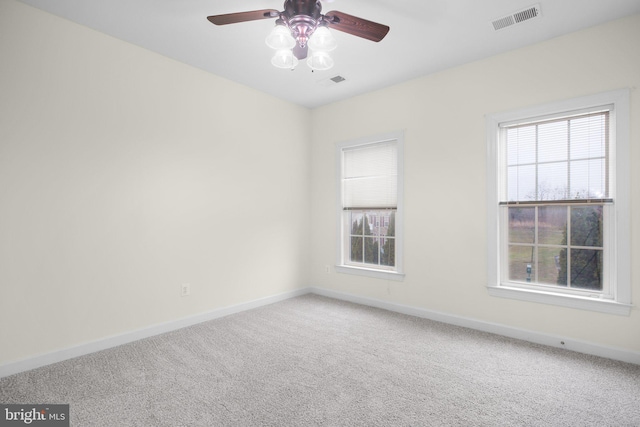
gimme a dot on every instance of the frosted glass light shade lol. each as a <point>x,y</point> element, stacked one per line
<point>320,60</point>
<point>322,39</point>
<point>284,59</point>
<point>280,38</point>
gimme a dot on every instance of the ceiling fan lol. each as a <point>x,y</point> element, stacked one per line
<point>301,26</point>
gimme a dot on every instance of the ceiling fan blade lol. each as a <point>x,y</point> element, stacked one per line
<point>233,18</point>
<point>356,26</point>
<point>300,52</point>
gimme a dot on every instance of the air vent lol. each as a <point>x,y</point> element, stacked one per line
<point>517,17</point>
<point>501,23</point>
<point>331,81</point>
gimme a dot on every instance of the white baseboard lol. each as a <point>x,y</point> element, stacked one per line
<point>127,337</point>
<point>579,346</point>
<point>508,331</point>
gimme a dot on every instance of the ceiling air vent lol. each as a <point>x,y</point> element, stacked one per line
<point>331,81</point>
<point>517,17</point>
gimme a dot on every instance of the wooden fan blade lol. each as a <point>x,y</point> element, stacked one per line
<point>300,52</point>
<point>356,26</point>
<point>233,18</point>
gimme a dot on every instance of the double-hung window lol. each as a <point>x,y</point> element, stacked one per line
<point>370,206</point>
<point>558,214</point>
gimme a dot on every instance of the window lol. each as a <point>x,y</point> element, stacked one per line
<point>558,207</point>
<point>370,207</point>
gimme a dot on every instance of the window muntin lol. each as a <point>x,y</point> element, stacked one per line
<point>557,245</point>
<point>372,239</point>
<point>560,159</point>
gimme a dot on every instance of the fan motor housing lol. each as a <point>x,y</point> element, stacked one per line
<point>310,8</point>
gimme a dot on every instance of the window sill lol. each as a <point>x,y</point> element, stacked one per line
<point>369,272</point>
<point>572,301</point>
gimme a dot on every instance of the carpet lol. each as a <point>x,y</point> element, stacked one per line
<point>316,361</point>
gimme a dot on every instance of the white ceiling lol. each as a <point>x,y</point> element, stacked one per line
<point>426,36</point>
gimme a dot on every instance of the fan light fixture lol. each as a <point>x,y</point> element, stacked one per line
<point>322,39</point>
<point>301,27</point>
<point>320,60</point>
<point>284,59</point>
<point>305,34</point>
<point>280,38</point>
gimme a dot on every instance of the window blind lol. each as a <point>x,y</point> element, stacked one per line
<point>558,159</point>
<point>370,176</point>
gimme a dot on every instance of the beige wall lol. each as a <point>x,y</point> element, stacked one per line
<point>443,117</point>
<point>124,174</point>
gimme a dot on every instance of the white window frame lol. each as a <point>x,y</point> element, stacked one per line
<point>617,228</point>
<point>342,266</point>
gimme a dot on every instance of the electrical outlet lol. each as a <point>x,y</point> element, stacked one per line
<point>185,289</point>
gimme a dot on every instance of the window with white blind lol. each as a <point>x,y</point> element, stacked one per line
<point>559,206</point>
<point>370,206</point>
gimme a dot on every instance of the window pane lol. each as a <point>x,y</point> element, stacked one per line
<point>586,226</point>
<point>521,145</point>
<point>356,249</point>
<point>521,263</point>
<point>588,179</point>
<point>553,181</point>
<point>586,269</point>
<point>552,267</point>
<point>522,225</point>
<point>521,183</point>
<point>356,223</point>
<point>589,136</point>
<point>369,223</point>
<point>389,228</point>
<point>371,250</point>
<point>563,273</point>
<point>553,142</point>
<point>552,225</point>
<point>388,252</point>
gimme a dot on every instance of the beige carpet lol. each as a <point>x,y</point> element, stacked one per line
<point>314,361</point>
